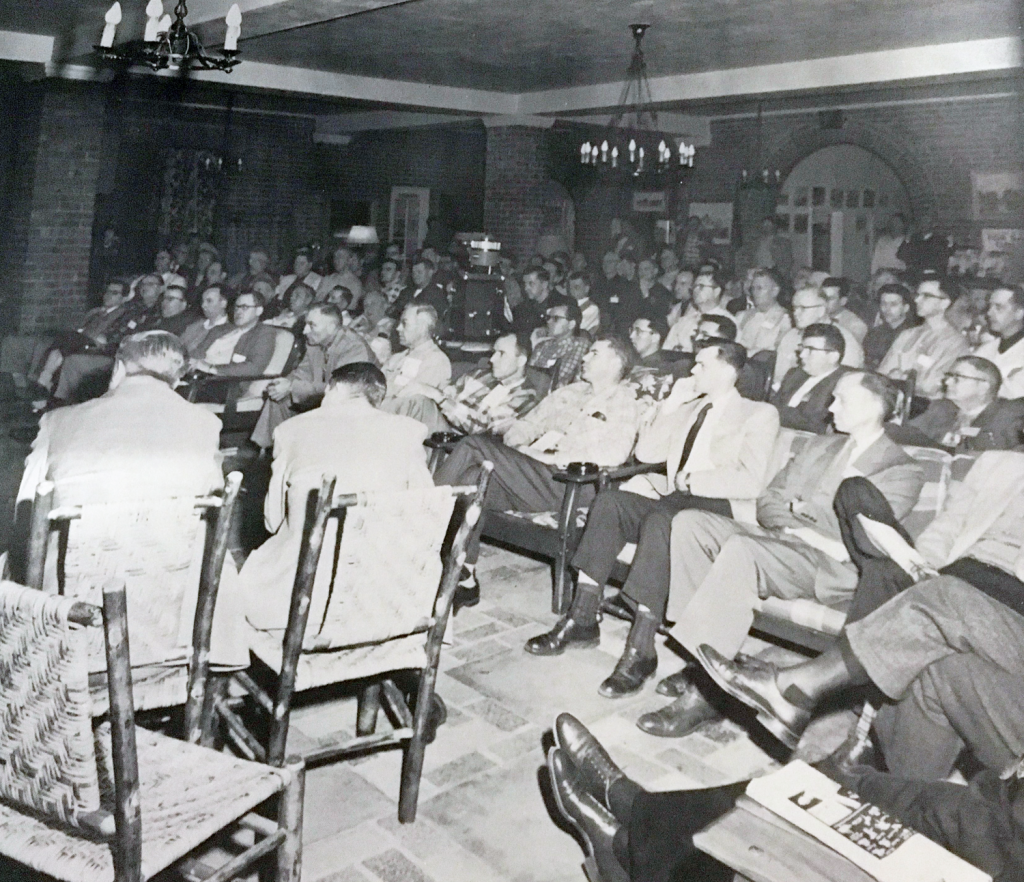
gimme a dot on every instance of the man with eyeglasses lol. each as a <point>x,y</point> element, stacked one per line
<point>1005,319</point>
<point>931,348</point>
<point>806,392</point>
<point>251,343</point>
<point>970,416</point>
<point>175,314</point>
<point>559,353</point>
<point>706,300</point>
<point>810,307</point>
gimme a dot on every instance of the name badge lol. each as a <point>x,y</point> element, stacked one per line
<point>970,431</point>
<point>237,358</point>
<point>926,361</point>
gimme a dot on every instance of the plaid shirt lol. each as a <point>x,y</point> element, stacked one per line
<point>476,402</point>
<point>563,356</point>
<point>578,425</point>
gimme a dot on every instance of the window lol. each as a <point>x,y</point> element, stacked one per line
<point>410,207</point>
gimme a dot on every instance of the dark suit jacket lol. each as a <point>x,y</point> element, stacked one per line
<point>812,414</point>
<point>432,294</point>
<point>633,305</point>
<point>999,426</point>
<point>252,354</point>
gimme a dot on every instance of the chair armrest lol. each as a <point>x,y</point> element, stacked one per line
<point>641,468</point>
<point>443,441</point>
<point>565,477</point>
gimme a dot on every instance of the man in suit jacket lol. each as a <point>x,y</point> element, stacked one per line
<point>806,392</point>
<point>948,651</point>
<point>716,446</point>
<point>721,567</point>
<point>348,437</point>
<point>970,417</point>
<point>329,345</point>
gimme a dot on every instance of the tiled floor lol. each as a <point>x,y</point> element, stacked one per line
<point>484,811</point>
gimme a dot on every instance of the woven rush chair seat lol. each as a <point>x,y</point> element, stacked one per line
<point>188,794</point>
<point>167,551</point>
<point>86,803</point>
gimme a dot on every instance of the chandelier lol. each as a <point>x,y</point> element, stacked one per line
<point>169,44</point>
<point>632,143</point>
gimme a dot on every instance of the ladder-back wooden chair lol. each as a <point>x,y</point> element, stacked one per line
<point>370,600</point>
<point>170,553</point>
<point>112,803</point>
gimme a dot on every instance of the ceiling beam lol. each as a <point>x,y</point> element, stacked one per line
<point>261,18</point>
<point>893,65</point>
<point>16,46</point>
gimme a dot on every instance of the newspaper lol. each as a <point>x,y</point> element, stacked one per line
<point>861,832</point>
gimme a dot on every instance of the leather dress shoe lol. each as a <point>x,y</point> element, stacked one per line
<point>631,672</point>
<point>756,686</point>
<point>597,770</point>
<point>596,825</point>
<point>679,718</point>
<point>677,684</point>
<point>467,592</point>
<point>567,633</point>
<point>437,717</point>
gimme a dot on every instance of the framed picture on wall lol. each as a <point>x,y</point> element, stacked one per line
<point>818,196</point>
<point>782,219</point>
<point>836,197</point>
<point>801,196</point>
<point>853,198</point>
<point>869,199</point>
<point>997,196</point>
<point>715,219</point>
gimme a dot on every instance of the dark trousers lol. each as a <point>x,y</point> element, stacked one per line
<point>977,823</point>
<point>880,579</point>
<point>618,517</point>
<point>518,482</point>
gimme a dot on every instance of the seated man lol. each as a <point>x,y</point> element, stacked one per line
<point>810,307</point>
<point>762,326</point>
<point>708,299</point>
<point>558,350</point>
<point>970,416</point>
<point>421,369</point>
<point>198,335</point>
<point>644,836</point>
<point>1005,319</point>
<point>947,652</point>
<point>530,313</point>
<point>175,315</point>
<point>579,290</point>
<point>895,315</point>
<point>594,420</point>
<point>806,392</point>
<point>837,292</point>
<point>300,299</point>
<point>329,345</point>
<point>720,567</point>
<point>717,447</point>
<point>485,399</point>
<point>654,371</point>
<point>930,348</point>
<point>423,290</point>
<point>348,437</point>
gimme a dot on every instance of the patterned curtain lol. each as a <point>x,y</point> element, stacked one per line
<point>189,198</point>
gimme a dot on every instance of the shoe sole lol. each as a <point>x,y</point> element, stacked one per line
<point>575,644</point>
<point>768,720</point>
<point>590,859</point>
<point>614,695</point>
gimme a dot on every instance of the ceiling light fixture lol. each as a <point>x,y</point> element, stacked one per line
<point>632,143</point>
<point>169,44</point>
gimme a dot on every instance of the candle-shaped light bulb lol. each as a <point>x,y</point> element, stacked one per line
<point>615,157</point>
<point>154,11</point>
<point>584,152</point>
<point>632,150</point>
<point>661,151</point>
<point>593,155</point>
<point>112,19</point>
<point>604,151</point>
<point>234,22</point>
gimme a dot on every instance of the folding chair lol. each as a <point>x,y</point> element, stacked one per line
<point>169,551</point>
<point>112,802</point>
<point>375,603</point>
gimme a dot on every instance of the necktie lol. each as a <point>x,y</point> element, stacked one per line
<point>691,436</point>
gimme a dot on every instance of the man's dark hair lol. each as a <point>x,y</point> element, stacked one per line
<point>838,282</point>
<point>420,258</point>
<point>726,326</point>
<point>767,272</point>
<point>946,286</point>
<point>363,377</point>
<point>622,350</point>
<point>884,389</point>
<point>983,365</point>
<point>658,323</point>
<point>329,309</point>
<point>830,334</point>
<point>580,275</point>
<point>729,351</point>
<point>255,295</point>
<point>539,272</point>
<point>572,311</point>
<point>1016,290</point>
<point>121,283</point>
<point>523,345</point>
<point>716,275</point>
<point>222,291</point>
<point>896,288</point>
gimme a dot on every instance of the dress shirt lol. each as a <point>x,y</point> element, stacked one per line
<point>762,330</point>
<point>1008,356</point>
<point>786,357</point>
<point>563,355</point>
<point>577,424</point>
<point>221,349</point>
<point>805,389</point>
<point>425,364</point>
<point>680,335</point>
<point>195,335</point>
<point>477,401</point>
<point>927,350</point>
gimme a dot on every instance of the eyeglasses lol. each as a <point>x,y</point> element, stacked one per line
<point>952,376</point>
<point>179,299</point>
<point>805,348</point>
<point>246,306</point>
<point>932,296</point>
<point>804,308</point>
<point>556,317</point>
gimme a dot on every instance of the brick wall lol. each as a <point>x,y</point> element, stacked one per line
<point>46,264</point>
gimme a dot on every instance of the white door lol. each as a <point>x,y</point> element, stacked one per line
<point>410,207</point>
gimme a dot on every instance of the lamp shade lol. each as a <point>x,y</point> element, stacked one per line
<point>363,236</point>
